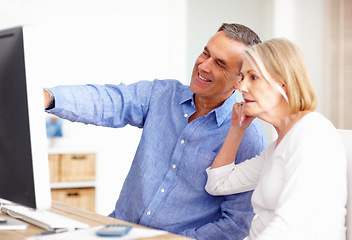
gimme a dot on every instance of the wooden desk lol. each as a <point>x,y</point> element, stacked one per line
<point>91,218</point>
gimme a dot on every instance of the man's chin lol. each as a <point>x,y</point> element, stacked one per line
<point>193,86</point>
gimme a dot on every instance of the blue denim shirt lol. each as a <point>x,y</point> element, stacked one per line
<point>165,185</point>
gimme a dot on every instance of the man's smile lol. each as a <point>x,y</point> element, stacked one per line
<point>204,79</point>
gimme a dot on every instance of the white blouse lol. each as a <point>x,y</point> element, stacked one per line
<point>300,186</point>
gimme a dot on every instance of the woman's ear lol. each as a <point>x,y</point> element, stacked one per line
<point>284,87</point>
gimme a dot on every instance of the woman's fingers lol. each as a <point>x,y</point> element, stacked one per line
<point>238,115</point>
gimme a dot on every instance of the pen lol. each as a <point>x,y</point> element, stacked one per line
<point>53,231</point>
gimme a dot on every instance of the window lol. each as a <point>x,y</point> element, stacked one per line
<point>339,63</point>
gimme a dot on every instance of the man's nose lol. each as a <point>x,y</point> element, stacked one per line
<point>205,65</point>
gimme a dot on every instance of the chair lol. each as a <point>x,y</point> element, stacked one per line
<point>346,136</point>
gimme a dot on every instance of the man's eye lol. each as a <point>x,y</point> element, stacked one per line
<point>205,53</point>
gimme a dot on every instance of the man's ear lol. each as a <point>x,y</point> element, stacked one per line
<point>236,85</point>
<point>237,82</point>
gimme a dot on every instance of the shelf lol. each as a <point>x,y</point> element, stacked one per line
<point>82,184</point>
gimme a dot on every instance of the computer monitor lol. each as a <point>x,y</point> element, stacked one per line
<point>24,167</point>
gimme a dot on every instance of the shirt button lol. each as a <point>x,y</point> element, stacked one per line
<point>162,190</point>
<point>148,213</point>
<point>182,141</point>
<point>174,166</point>
<point>186,115</point>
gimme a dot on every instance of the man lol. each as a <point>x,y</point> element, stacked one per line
<point>183,130</point>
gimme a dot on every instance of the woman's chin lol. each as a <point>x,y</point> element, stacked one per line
<point>247,112</point>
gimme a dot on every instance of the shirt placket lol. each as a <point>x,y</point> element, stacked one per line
<point>168,181</point>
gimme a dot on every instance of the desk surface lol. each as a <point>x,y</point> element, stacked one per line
<point>91,218</point>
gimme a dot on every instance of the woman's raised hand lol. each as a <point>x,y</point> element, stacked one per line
<point>239,118</point>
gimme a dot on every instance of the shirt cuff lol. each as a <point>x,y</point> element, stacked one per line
<point>224,168</point>
<point>215,177</point>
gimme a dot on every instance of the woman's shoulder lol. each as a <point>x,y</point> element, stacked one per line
<point>313,122</point>
<point>315,128</point>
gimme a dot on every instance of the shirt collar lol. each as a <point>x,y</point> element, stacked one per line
<point>186,96</point>
<point>225,109</point>
<point>221,113</point>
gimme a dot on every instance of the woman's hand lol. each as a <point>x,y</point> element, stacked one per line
<point>239,118</point>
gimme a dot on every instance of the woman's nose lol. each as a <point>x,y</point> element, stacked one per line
<point>241,85</point>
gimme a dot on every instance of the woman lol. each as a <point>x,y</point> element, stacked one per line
<point>300,179</point>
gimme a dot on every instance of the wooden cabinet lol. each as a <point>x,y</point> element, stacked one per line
<point>72,179</point>
<point>79,197</point>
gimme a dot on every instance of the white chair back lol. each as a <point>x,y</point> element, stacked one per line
<point>346,136</point>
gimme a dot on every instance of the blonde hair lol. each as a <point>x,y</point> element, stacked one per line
<point>281,60</point>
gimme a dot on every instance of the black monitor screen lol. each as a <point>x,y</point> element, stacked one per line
<point>16,166</point>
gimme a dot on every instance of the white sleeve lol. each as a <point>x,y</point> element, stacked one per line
<point>231,178</point>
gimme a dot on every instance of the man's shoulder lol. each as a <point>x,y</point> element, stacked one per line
<point>253,142</point>
<point>171,88</point>
<point>255,134</point>
<point>255,130</point>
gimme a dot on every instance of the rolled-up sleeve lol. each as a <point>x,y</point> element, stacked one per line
<point>231,178</point>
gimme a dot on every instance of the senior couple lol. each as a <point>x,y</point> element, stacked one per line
<point>201,154</point>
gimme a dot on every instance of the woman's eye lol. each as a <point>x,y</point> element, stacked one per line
<point>219,64</point>
<point>254,77</point>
